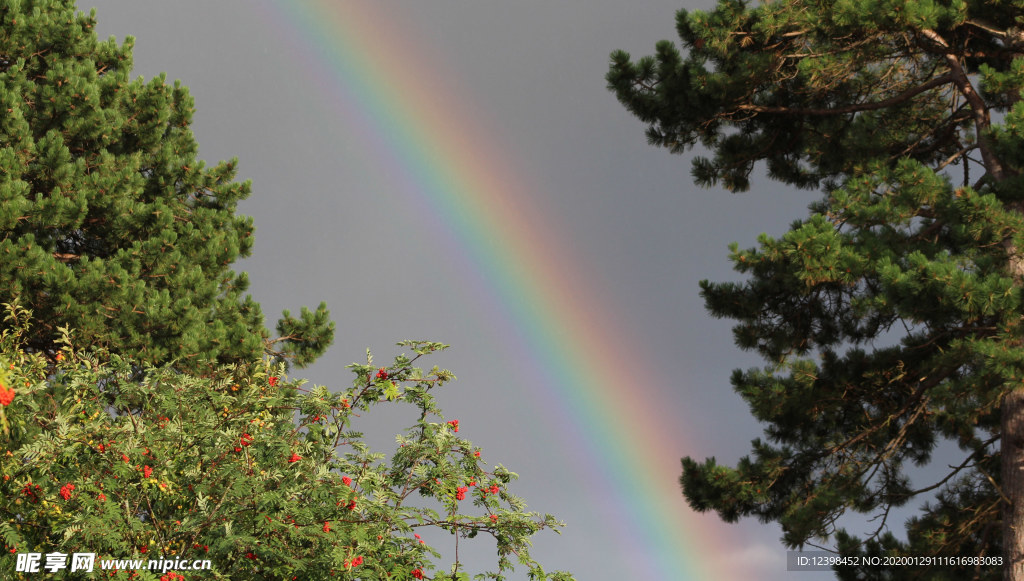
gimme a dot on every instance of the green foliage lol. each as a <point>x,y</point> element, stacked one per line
<point>890,318</point>
<point>108,222</point>
<point>257,473</point>
<point>812,88</point>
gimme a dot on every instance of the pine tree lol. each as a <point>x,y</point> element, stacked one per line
<point>109,223</point>
<point>890,317</point>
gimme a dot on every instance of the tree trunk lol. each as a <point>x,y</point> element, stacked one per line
<point>1012,452</point>
<point>1013,484</point>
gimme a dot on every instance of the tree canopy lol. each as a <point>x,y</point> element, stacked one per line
<point>257,474</point>
<point>108,221</point>
<point>890,317</point>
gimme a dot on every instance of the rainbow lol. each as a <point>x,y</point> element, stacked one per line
<point>368,64</point>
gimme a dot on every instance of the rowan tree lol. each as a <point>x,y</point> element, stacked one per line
<point>259,474</point>
<point>109,223</point>
<point>890,317</point>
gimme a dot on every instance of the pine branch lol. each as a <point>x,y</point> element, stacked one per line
<point>979,110</point>
<point>859,107</point>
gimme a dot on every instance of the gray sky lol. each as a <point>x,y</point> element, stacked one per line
<point>335,222</point>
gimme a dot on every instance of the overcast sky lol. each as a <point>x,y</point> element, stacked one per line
<point>339,219</point>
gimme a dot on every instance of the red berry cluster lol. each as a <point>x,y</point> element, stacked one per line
<point>147,472</point>
<point>346,481</point>
<point>30,492</point>
<point>272,381</point>
<point>6,395</point>
<point>382,373</point>
<point>172,576</point>
<point>327,527</point>
<point>460,493</point>
<point>354,562</point>
<point>417,573</point>
<point>245,440</point>
<point>66,490</point>
<point>454,424</point>
<point>294,458</point>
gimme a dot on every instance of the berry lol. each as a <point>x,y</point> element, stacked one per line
<point>6,395</point>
